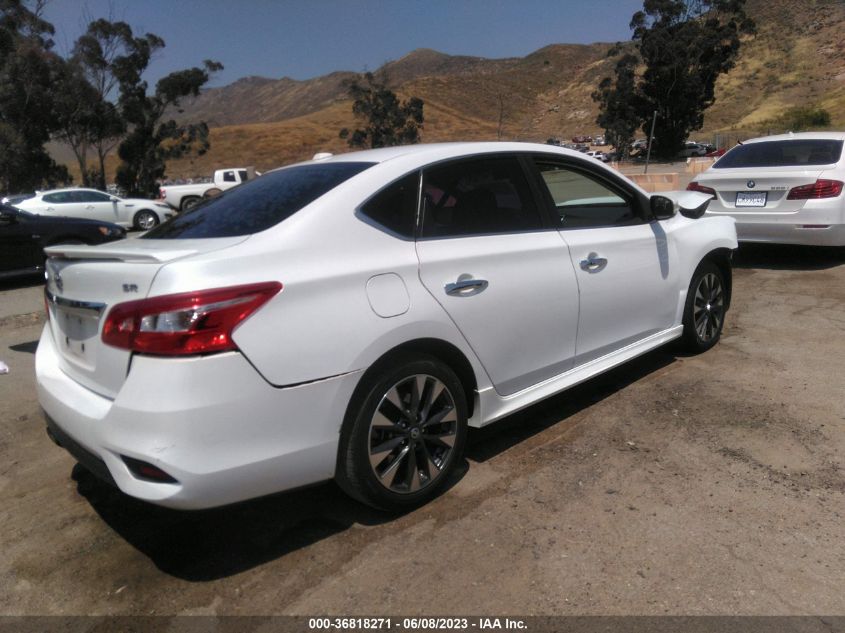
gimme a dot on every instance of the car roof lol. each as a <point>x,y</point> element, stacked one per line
<point>795,136</point>
<point>440,151</point>
<point>41,193</point>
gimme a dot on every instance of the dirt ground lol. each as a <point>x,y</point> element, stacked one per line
<point>673,485</point>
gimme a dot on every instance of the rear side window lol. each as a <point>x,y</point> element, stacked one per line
<point>243,174</point>
<point>58,198</point>
<point>477,197</point>
<point>790,153</point>
<point>229,176</point>
<point>395,206</point>
<point>258,204</point>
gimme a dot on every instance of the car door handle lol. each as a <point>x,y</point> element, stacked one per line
<point>593,263</point>
<point>466,287</point>
<point>90,206</point>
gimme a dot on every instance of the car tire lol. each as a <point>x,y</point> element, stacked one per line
<point>189,203</point>
<point>211,193</point>
<point>705,308</point>
<point>145,220</point>
<point>399,457</point>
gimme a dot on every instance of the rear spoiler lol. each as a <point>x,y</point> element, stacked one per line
<point>117,252</point>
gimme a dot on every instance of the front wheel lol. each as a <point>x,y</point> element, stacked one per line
<point>706,305</point>
<point>404,434</point>
<point>145,220</point>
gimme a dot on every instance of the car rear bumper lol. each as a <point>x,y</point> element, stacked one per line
<point>818,223</point>
<point>212,423</point>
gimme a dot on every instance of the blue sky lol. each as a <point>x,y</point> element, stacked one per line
<point>307,38</point>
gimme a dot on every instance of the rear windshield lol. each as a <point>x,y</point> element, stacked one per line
<point>258,204</point>
<point>796,153</point>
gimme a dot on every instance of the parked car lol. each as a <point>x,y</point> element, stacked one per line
<point>598,155</point>
<point>692,150</point>
<point>91,204</point>
<point>716,153</point>
<point>183,197</point>
<point>582,139</point>
<point>598,141</point>
<point>349,318</point>
<point>23,237</point>
<point>785,188</point>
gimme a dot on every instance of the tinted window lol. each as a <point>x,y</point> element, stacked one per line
<point>229,176</point>
<point>795,153</point>
<point>395,207</point>
<point>258,204</point>
<point>243,174</point>
<point>477,196</point>
<point>583,202</point>
<point>57,198</point>
<point>90,196</point>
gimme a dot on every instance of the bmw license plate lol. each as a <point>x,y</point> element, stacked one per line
<point>751,199</point>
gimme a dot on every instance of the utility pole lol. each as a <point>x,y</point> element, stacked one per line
<point>650,141</point>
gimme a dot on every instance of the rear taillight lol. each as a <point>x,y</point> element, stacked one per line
<point>694,186</point>
<point>199,322</point>
<point>819,189</point>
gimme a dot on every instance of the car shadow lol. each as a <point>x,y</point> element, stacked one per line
<point>788,257</point>
<point>27,348</point>
<point>485,443</point>
<point>206,545</point>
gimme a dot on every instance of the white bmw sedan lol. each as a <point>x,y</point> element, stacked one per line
<point>91,204</point>
<point>350,317</point>
<point>785,189</point>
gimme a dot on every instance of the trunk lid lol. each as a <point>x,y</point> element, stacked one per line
<point>84,282</point>
<point>767,195</point>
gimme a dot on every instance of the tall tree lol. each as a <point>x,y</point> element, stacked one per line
<point>618,113</point>
<point>97,52</point>
<point>684,46</point>
<point>151,139</point>
<point>28,70</point>
<point>387,120</point>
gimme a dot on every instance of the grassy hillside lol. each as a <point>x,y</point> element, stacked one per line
<point>797,58</point>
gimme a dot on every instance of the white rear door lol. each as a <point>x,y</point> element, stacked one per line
<point>503,276</point>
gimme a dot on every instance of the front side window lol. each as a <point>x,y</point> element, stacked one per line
<point>478,196</point>
<point>258,204</point>
<point>789,153</point>
<point>584,202</point>
<point>229,176</point>
<point>395,206</point>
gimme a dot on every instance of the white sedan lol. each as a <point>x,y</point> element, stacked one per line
<point>136,213</point>
<point>785,189</point>
<point>350,317</point>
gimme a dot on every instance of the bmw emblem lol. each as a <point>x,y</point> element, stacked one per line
<point>751,184</point>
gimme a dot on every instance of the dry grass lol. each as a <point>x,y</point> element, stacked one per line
<point>797,58</point>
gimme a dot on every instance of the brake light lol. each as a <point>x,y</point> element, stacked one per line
<point>694,186</point>
<point>199,322</point>
<point>819,189</point>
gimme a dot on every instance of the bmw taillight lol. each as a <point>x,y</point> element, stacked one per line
<point>199,322</point>
<point>694,186</point>
<point>819,189</point>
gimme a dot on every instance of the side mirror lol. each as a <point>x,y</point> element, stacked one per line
<point>662,208</point>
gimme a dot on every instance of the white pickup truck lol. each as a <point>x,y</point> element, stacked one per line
<point>183,197</point>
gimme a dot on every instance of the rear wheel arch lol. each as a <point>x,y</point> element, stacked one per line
<point>445,352</point>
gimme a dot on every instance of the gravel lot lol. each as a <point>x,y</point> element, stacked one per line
<point>673,485</point>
